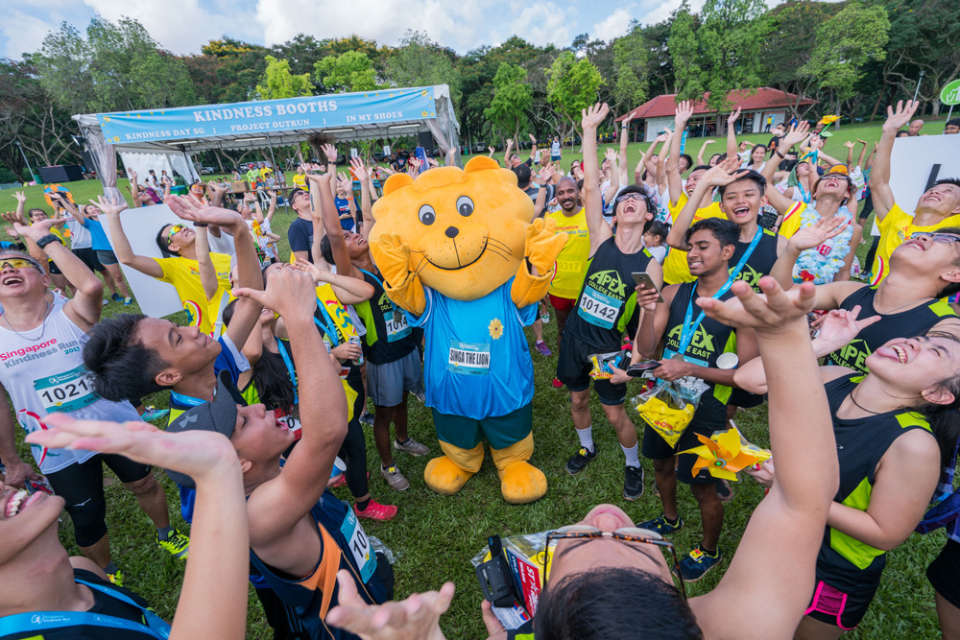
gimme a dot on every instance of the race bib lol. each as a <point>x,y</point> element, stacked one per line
<point>397,327</point>
<point>471,359</point>
<point>67,391</point>
<point>359,545</point>
<point>598,308</point>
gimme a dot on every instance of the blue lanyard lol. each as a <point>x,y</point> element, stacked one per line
<point>290,370</point>
<point>686,334</point>
<point>186,401</point>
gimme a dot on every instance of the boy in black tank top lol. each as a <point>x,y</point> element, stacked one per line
<point>692,345</point>
<point>910,301</point>
<point>741,196</point>
<point>606,304</point>
<point>46,594</point>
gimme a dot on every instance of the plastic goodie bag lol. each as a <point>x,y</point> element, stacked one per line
<point>668,406</point>
<point>510,571</point>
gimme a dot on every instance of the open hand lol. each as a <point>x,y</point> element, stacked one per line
<point>683,114</point>
<point>188,209</point>
<point>900,115</point>
<point>592,116</point>
<point>416,618</point>
<point>723,173</point>
<point>20,197</point>
<point>38,229</point>
<point>818,233</point>
<point>109,207</point>
<point>330,152</point>
<point>290,292</point>
<point>839,326</point>
<point>795,135</point>
<point>769,314</point>
<point>359,169</point>
<point>195,453</point>
<point>732,118</point>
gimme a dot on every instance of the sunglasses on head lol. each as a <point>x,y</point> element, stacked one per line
<point>630,536</point>
<point>19,263</point>
<point>945,238</point>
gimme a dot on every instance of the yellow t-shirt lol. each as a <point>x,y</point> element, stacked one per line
<point>573,259</point>
<point>337,314</point>
<point>675,269</point>
<point>895,227</point>
<point>300,181</point>
<point>792,220</point>
<point>184,275</point>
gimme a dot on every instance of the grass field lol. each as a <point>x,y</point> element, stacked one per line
<point>434,537</point>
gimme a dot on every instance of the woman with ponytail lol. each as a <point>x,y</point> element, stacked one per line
<point>894,427</point>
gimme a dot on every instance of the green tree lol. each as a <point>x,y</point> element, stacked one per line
<point>630,71</point>
<point>685,54</point>
<point>349,71</point>
<point>278,82</point>
<point>731,37</point>
<point>227,70</point>
<point>572,86</point>
<point>419,61</point>
<point>511,99</point>
<point>844,44</point>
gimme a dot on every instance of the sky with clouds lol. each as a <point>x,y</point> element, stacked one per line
<point>183,26</point>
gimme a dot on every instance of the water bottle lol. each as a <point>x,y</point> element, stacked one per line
<point>356,340</point>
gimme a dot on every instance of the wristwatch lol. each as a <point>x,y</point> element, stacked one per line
<point>47,239</point>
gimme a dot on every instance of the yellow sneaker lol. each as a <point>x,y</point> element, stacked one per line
<point>177,544</point>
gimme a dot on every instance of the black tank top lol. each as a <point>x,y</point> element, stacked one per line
<point>760,262</point>
<point>608,298</point>
<point>710,339</point>
<point>861,443</point>
<point>905,324</point>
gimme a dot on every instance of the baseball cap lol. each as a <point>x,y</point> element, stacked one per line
<point>219,416</point>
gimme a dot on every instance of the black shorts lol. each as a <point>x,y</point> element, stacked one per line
<point>81,487</point>
<point>656,448</point>
<point>841,608</point>
<point>745,399</point>
<point>106,257</point>
<point>573,370</point>
<point>944,572</point>
<point>89,257</point>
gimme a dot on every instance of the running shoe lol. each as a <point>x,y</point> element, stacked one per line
<point>152,413</point>
<point>412,447</point>
<point>366,418</point>
<point>128,301</point>
<point>580,460</point>
<point>543,348</point>
<point>545,317</point>
<point>632,483</point>
<point>116,578</point>
<point>661,525</point>
<point>556,383</point>
<point>377,511</point>
<point>696,564</point>
<point>337,481</point>
<point>177,544</point>
<point>394,478</point>
<point>419,395</point>
<point>116,297</point>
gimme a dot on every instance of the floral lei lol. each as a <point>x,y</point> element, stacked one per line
<point>821,264</point>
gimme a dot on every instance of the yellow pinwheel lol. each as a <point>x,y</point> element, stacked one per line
<point>725,453</point>
<point>829,119</point>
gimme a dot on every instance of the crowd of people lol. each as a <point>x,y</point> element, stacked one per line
<point>744,288</point>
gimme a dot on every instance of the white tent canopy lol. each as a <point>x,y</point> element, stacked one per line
<point>166,138</point>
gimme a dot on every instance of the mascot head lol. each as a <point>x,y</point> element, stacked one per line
<point>465,228</point>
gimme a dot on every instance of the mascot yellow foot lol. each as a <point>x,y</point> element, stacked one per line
<point>448,473</point>
<point>520,481</point>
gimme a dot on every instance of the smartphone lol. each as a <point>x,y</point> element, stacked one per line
<point>644,281</point>
<point>639,368</point>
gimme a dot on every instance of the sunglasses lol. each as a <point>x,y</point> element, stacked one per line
<point>630,536</point>
<point>174,230</point>
<point>19,263</point>
<point>945,238</point>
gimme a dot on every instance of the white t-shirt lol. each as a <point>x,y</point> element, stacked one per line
<point>80,237</point>
<point>555,148</point>
<point>43,372</point>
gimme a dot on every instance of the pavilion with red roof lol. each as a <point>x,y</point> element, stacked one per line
<point>761,109</point>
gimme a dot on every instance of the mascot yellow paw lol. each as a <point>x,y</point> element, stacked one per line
<point>521,482</point>
<point>444,476</point>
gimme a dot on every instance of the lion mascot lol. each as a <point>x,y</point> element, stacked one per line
<point>459,254</point>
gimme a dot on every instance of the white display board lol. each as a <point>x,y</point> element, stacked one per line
<point>913,160</point>
<point>141,225</point>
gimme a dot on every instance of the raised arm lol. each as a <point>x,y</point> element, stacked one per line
<point>880,189</point>
<point>326,216</point>
<point>801,436</point>
<point>366,203</point>
<point>21,199</point>
<point>732,133</point>
<point>614,186</point>
<point>118,239</point>
<point>681,116</point>
<point>213,597</point>
<point>622,157</point>
<point>275,506</point>
<point>593,206</point>
<point>793,136</point>
<point>85,306</point>
<point>863,152</point>
<point>533,148</point>
<point>506,152</point>
<point>703,148</point>
<point>349,290</point>
<point>208,273</point>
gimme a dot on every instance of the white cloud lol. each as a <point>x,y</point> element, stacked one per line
<point>182,26</point>
<point>22,33</point>
<point>543,23</point>
<point>614,25</point>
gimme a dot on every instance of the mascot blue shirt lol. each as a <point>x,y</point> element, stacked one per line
<point>477,363</point>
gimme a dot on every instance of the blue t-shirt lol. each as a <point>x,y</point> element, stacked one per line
<point>300,236</point>
<point>343,209</point>
<point>99,240</point>
<point>476,362</point>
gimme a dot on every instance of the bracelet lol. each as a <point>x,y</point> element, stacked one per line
<point>47,239</point>
<point>777,152</point>
<point>200,224</point>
